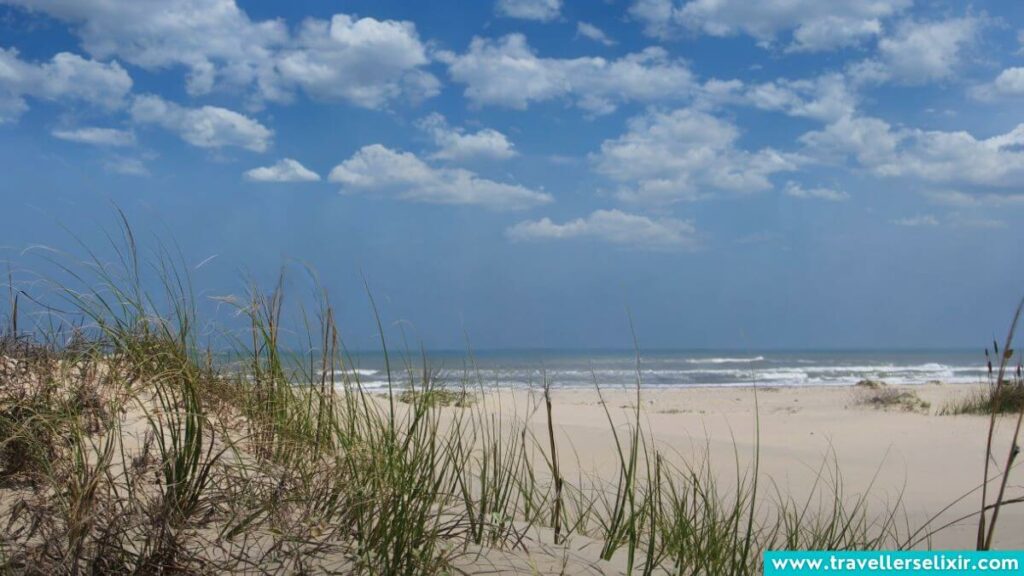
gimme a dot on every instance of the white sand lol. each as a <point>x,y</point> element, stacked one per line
<point>931,460</point>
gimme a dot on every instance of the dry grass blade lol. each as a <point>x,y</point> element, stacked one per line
<point>985,533</point>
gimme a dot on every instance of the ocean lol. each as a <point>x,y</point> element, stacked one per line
<point>576,369</point>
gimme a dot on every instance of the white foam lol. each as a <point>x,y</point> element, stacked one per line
<point>352,372</point>
<point>724,360</point>
<point>718,371</point>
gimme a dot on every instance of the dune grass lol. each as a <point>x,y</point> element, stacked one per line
<point>885,397</point>
<point>1000,381</point>
<point>1009,399</point>
<point>125,448</point>
<point>437,397</point>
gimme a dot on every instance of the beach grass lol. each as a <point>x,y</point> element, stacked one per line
<point>884,397</point>
<point>437,397</point>
<point>125,448</point>
<point>1007,400</point>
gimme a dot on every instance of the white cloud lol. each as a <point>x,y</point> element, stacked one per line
<point>285,170</point>
<point>66,77</point>
<point>977,210</point>
<point>827,97</point>
<point>954,219</point>
<point>507,72</point>
<point>205,127</point>
<point>96,136</point>
<point>926,51</point>
<point>364,61</point>
<point>833,32</point>
<point>795,190</point>
<point>127,166</point>
<point>1009,83</point>
<point>686,154</point>
<point>376,169</point>
<point>870,140</point>
<point>12,106</point>
<point>594,33</point>
<point>815,24</point>
<point>964,220</point>
<point>542,10</point>
<point>931,155</point>
<point>455,144</point>
<point>613,226</point>
<point>868,73</point>
<point>965,200</point>
<point>917,221</point>
<point>214,39</point>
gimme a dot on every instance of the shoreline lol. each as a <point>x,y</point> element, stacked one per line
<point>649,388</point>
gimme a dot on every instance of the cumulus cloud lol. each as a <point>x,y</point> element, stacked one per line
<point>213,39</point>
<point>1009,83</point>
<point>815,25</point>
<point>376,169</point>
<point>832,32</point>
<point>683,155</point>
<point>455,144</point>
<point>66,77</point>
<point>205,127</point>
<point>507,72</point>
<point>931,155</point>
<point>542,10</point>
<point>795,190</point>
<point>285,170</point>
<point>594,33</point>
<point>870,140</point>
<point>613,226</point>
<point>96,136</point>
<point>363,61</point>
<point>827,97</point>
<point>920,52</point>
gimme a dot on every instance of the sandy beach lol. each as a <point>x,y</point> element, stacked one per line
<point>925,466</point>
<point>922,459</point>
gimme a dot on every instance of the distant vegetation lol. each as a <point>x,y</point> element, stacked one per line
<point>1008,399</point>
<point>434,396</point>
<point>880,395</point>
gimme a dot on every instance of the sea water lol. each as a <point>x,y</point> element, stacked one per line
<point>612,368</point>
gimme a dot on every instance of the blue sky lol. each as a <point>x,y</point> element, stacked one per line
<point>790,173</point>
